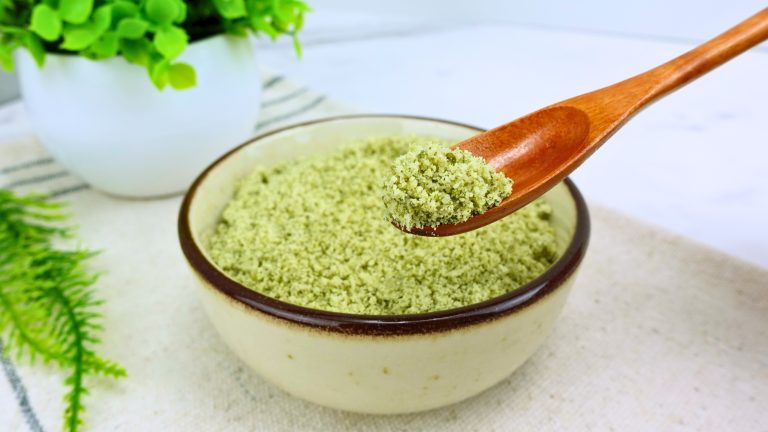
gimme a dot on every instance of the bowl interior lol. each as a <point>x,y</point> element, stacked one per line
<point>218,186</point>
<point>214,188</point>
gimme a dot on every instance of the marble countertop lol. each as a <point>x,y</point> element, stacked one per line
<point>693,163</point>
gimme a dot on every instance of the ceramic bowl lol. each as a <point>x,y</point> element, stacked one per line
<point>363,363</point>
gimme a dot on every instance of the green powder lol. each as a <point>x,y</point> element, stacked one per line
<point>432,185</point>
<point>311,232</point>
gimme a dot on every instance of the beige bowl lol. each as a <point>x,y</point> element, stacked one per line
<point>374,364</point>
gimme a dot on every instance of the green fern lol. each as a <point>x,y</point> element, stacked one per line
<point>48,309</point>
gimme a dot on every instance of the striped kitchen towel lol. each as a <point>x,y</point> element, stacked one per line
<point>660,333</point>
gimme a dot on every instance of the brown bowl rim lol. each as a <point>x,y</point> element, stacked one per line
<point>347,323</point>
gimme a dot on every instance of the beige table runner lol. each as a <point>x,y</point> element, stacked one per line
<point>660,333</point>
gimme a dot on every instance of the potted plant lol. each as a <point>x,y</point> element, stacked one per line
<point>138,96</point>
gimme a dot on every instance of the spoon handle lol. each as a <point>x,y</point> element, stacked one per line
<point>709,55</point>
<point>615,104</point>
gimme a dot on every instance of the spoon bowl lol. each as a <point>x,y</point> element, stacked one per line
<point>540,142</point>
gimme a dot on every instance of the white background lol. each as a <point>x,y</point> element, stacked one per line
<point>686,19</point>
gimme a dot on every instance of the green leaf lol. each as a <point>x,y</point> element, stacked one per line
<point>298,24</point>
<point>161,12</point>
<point>259,23</point>
<point>75,11</point>
<point>10,31</point>
<point>236,27</point>
<point>106,46</point>
<point>170,41</point>
<point>136,51</point>
<point>132,28</point>
<point>297,46</point>
<point>158,72</point>
<point>181,76</point>
<point>6,56</point>
<point>301,6</point>
<point>78,38</point>
<point>124,9</point>
<point>102,18</point>
<point>46,22</point>
<point>257,7</point>
<point>230,9</point>
<point>182,15</point>
<point>282,10</point>
<point>35,47</point>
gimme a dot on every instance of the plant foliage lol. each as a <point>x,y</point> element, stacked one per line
<point>48,308</point>
<point>150,33</point>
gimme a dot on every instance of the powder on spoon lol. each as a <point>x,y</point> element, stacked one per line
<point>433,184</point>
<point>311,232</point>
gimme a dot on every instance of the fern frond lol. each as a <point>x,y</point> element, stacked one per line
<point>48,306</point>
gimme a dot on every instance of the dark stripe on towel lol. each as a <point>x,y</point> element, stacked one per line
<point>33,180</point>
<point>291,114</point>
<point>272,81</point>
<point>285,98</point>
<point>69,190</point>
<point>20,392</point>
<point>24,165</point>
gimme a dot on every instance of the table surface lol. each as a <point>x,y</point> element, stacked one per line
<point>693,163</point>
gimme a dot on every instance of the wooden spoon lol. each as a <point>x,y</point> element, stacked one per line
<point>540,149</point>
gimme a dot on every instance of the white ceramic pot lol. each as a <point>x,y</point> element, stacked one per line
<point>374,364</point>
<point>106,122</point>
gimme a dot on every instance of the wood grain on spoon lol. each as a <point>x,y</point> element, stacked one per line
<point>540,149</point>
